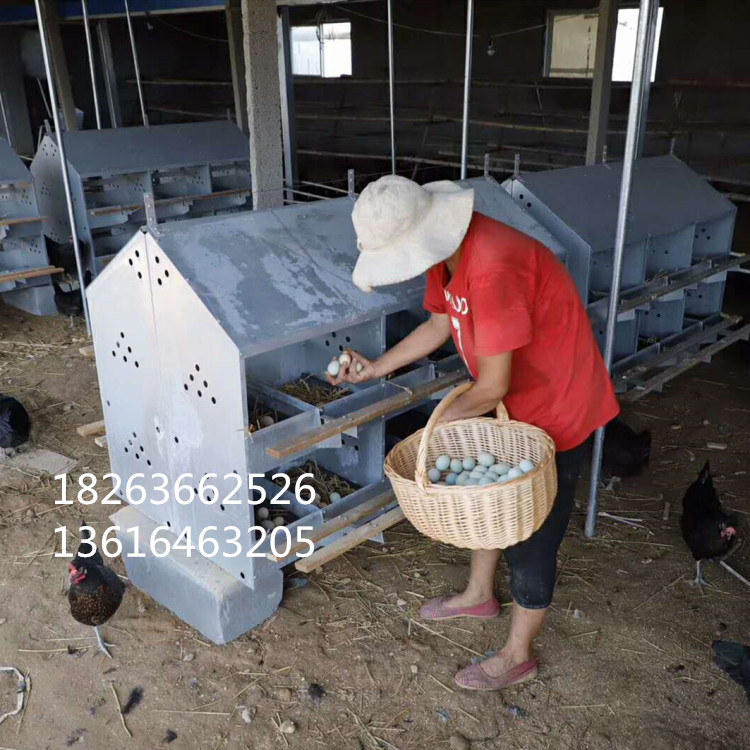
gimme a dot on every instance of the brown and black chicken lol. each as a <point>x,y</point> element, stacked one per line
<point>95,591</point>
<point>708,531</point>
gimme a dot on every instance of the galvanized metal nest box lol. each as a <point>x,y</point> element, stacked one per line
<point>198,323</point>
<point>192,169</point>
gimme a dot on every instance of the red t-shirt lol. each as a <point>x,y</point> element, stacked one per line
<point>510,293</point>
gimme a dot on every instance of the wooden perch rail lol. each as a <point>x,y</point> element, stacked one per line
<point>31,273</point>
<point>356,537</point>
<point>306,440</point>
<point>339,522</point>
<point>173,200</point>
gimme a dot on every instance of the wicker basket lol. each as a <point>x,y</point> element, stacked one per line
<point>491,516</point>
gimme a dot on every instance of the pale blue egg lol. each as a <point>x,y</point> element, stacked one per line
<point>469,463</point>
<point>485,480</point>
<point>486,459</point>
<point>471,481</point>
<point>434,474</point>
<point>333,367</point>
<point>480,469</point>
<point>443,462</point>
<point>514,473</point>
<point>526,466</point>
<point>334,497</point>
<point>451,478</point>
<point>456,466</point>
<point>492,476</point>
<point>461,480</point>
<point>501,468</point>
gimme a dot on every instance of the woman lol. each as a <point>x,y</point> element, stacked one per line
<point>517,320</point>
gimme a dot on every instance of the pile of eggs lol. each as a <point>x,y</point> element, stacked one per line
<point>335,365</point>
<point>482,470</point>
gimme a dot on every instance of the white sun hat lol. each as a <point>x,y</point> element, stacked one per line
<point>404,228</point>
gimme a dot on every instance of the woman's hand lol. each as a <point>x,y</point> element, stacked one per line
<point>348,373</point>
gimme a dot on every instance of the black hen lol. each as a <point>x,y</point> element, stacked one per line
<point>734,659</point>
<point>706,529</point>
<point>68,303</point>
<point>95,591</point>
<point>14,423</point>
<point>626,451</point>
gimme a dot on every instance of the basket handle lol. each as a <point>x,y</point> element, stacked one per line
<point>420,473</point>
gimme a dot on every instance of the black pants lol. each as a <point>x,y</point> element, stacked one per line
<point>533,563</point>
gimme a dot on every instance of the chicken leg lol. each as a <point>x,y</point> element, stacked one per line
<point>102,645</point>
<point>699,579</point>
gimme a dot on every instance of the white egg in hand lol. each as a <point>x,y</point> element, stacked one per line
<point>434,475</point>
<point>443,462</point>
<point>344,359</point>
<point>333,368</point>
<point>360,367</point>
<point>526,466</point>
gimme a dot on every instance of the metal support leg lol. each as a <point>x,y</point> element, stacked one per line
<point>467,85</point>
<point>63,160</point>
<point>90,49</point>
<point>286,90</point>
<point>136,66</point>
<point>110,78</point>
<point>391,74</point>
<point>5,121</point>
<point>639,74</point>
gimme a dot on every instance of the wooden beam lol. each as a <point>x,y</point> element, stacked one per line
<point>59,65</point>
<point>31,273</point>
<point>101,441</point>
<point>339,522</point>
<point>91,429</point>
<point>306,440</point>
<point>355,538</point>
<point>177,199</point>
<point>602,84</point>
<point>237,62</point>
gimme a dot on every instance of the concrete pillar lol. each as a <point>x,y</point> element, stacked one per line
<point>263,101</point>
<point>14,94</point>
<point>237,61</point>
<point>602,83</point>
<point>59,64</point>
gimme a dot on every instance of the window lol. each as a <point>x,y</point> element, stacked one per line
<point>571,44</point>
<point>324,50</point>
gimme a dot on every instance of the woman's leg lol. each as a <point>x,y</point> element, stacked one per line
<point>533,568</point>
<point>481,585</point>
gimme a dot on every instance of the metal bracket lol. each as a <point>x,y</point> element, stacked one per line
<point>516,165</point>
<point>151,222</point>
<point>487,165</point>
<point>350,184</point>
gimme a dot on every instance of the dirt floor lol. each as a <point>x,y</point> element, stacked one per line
<point>625,657</point>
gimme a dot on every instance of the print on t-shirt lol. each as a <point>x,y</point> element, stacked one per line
<point>461,306</point>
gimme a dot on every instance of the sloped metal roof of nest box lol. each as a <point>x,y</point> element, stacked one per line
<point>12,169</point>
<point>138,149</point>
<point>579,205</point>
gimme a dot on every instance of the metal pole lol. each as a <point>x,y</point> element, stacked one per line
<point>135,64</point>
<point>636,92</point>
<point>84,7</point>
<point>391,73</point>
<point>5,121</point>
<point>63,161</point>
<point>467,86</point>
<point>286,91</point>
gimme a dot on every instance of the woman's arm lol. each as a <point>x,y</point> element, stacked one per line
<point>492,384</point>
<point>423,340</point>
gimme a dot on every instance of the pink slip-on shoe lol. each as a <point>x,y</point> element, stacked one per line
<point>437,609</point>
<point>474,677</point>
